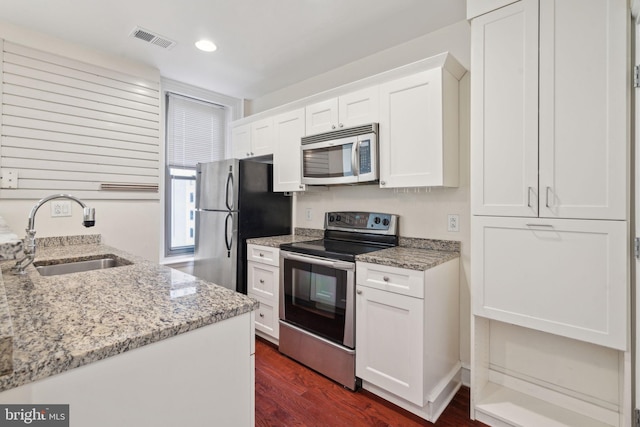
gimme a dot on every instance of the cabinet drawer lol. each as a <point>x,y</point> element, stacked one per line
<point>262,280</point>
<point>263,254</point>
<point>266,317</point>
<point>391,279</point>
<point>566,277</point>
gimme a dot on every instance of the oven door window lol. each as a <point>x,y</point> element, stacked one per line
<point>315,298</point>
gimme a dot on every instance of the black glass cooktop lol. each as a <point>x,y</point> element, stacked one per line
<point>334,249</point>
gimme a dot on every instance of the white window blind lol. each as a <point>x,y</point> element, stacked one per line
<point>195,131</point>
<point>69,126</point>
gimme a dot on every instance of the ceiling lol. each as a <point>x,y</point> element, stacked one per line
<point>263,45</point>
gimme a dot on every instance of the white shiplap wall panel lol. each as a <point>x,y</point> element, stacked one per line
<point>44,135</point>
<point>65,100</point>
<point>70,126</point>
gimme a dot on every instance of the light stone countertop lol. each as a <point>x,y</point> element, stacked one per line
<point>66,321</point>
<point>276,241</point>
<point>409,258</point>
<point>10,243</point>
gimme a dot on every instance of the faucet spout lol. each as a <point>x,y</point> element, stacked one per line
<point>88,220</point>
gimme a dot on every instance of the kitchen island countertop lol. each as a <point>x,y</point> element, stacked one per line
<point>66,321</point>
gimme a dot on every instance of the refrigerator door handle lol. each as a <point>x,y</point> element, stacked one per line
<point>229,184</point>
<point>228,237</point>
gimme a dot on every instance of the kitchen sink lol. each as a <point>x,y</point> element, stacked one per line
<point>66,266</point>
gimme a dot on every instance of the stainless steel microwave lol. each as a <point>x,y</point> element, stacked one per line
<point>344,156</point>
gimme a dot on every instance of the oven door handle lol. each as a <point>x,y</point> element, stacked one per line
<point>338,265</point>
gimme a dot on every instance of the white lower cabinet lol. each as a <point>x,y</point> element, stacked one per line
<point>407,335</point>
<point>566,277</point>
<point>263,275</point>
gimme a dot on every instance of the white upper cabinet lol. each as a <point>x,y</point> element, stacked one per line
<point>563,97</point>
<point>583,109</point>
<point>288,128</point>
<point>419,128</point>
<point>241,141</point>
<point>253,139</point>
<point>504,111</point>
<point>353,109</point>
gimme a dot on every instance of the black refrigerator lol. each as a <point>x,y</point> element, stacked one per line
<point>234,202</point>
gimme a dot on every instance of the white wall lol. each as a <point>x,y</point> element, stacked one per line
<point>455,38</point>
<point>423,212</point>
<point>133,226</point>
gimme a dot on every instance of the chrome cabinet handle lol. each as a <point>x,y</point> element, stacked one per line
<point>547,197</point>
<point>383,183</point>
<point>261,280</point>
<point>261,315</point>
<point>333,126</point>
<point>301,186</point>
<point>539,225</point>
<point>261,254</point>
<point>359,292</point>
<point>340,125</point>
<point>529,196</point>
<point>385,278</point>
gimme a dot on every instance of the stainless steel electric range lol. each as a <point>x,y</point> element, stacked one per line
<point>317,291</point>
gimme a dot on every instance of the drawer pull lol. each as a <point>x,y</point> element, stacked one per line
<point>385,278</point>
<point>261,280</point>
<point>261,254</point>
<point>359,292</point>
<point>261,315</point>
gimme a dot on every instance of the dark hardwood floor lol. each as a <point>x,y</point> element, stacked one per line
<point>289,394</point>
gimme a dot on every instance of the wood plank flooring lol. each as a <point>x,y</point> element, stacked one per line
<point>290,394</point>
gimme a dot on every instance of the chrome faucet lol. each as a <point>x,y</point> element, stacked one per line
<point>88,220</point>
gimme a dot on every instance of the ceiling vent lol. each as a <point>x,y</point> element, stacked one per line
<point>151,37</point>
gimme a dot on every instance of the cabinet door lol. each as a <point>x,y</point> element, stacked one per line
<point>263,280</point>
<point>287,167</point>
<point>583,109</point>
<point>359,108</point>
<point>566,277</point>
<point>321,116</point>
<point>266,316</point>
<point>389,339</point>
<point>262,137</point>
<point>241,141</point>
<point>419,131</point>
<point>504,111</point>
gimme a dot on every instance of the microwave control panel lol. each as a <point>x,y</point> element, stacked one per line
<point>365,156</point>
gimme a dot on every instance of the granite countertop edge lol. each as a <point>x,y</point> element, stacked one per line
<point>209,304</point>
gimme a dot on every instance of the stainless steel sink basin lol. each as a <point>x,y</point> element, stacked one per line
<point>66,266</point>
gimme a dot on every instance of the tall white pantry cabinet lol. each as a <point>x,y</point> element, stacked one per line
<point>550,205</point>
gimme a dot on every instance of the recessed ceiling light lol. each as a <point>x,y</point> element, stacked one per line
<point>206,45</point>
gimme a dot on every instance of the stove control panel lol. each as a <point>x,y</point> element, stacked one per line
<point>365,222</point>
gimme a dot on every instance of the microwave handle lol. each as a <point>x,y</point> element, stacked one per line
<point>355,164</point>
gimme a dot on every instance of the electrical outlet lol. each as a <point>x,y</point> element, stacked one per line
<point>309,214</point>
<point>60,208</point>
<point>8,178</point>
<point>453,222</point>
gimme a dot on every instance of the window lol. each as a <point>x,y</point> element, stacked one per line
<point>195,134</point>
